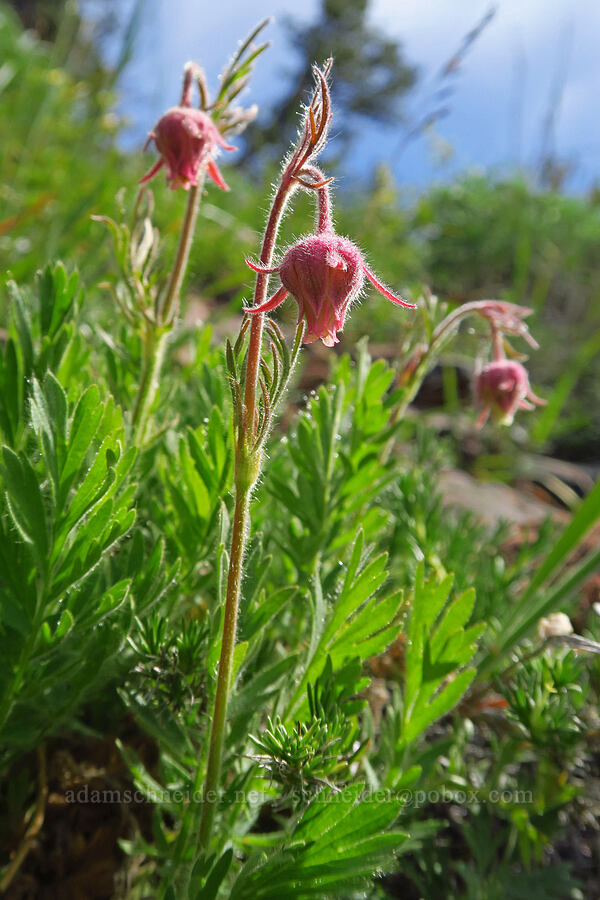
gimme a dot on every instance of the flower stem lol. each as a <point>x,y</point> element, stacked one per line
<point>234,580</point>
<point>324,222</point>
<point>154,352</point>
<point>183,251</point>
<point>497,344</point>
<point>247,470</point>
<point>249,452</point>
<point>156,331</point>
<point>418,367</point>
<point>282,196</point>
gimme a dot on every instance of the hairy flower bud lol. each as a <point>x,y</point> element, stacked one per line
<point>324,273</point>
<point>187,140</point>
<point>502,387</point>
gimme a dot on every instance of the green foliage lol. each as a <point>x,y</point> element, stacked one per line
<point>356,624</point>
<point>314,753</point>
<point>195,490</point>
<point>166,673</point>
<point>545,698</point>
<point>550,587</point>
<point>67,503</point>
<point>329,472</point>
<point>437,648</point>
<point>91,607</point>
<point>41,337</point>
<point>334,847</point>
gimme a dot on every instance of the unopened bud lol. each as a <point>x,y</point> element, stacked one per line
<point>502,387</point>
<point>187,140</point>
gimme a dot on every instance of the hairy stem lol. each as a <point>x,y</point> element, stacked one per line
<point>324,220</point>
<point>260,295</point>
<point>424,356</point>
<point>234,580</point>
<point>156,332</point>
<point>154,352</point>
<point>246,473</point>
<point>171,300</point>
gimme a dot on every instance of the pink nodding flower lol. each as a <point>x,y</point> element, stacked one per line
<point>324,273</point>
<point>187,139</point>
<point>502,388</point>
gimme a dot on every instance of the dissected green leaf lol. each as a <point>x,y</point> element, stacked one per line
<point>352,623</point>
<point>25,501</point>
<point>437,647</point>
<point>338,843</point>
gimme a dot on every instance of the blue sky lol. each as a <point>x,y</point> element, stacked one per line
<point>502,93</point>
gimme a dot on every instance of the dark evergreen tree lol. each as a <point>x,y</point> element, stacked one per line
<point>370,75</point>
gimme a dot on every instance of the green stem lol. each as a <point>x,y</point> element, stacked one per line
<point>27,651</point>
<point>171,300</point>
<point>154,353</point>
<point>156,331</point>
<point>441,334</point>
<point>234,580</point>
<point>248,461</point>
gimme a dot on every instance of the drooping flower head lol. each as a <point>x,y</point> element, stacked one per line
<point>187,140</point>
<point>324,273</point>
<point>502,387</point>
